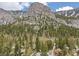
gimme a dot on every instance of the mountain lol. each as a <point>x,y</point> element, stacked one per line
<point>69,13</point>
<point>17,13</point>
<point>70,17</point>
<point>37,8</point>
<point>39,14</point>
<point>5,17</point>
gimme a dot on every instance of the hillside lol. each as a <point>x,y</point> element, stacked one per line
<point>38,32</point>
<point>5,17</point>
<point>70,17</point>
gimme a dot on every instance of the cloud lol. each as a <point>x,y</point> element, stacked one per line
<point>10,5</point>
<point>64,8</point>
<point>27,4</point>
<point>24,5</point>
<point>16,5</point>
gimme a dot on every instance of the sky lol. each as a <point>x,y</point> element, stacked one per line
<point>54,6</point>
<point>60,6</point>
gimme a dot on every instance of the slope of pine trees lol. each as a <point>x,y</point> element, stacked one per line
<point>20,38</point>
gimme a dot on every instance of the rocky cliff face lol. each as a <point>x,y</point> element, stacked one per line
<point>38,13</point>
<point>37,8</point>
<point>5,17</point>
<point>70,17</point>
<point>73,12</point>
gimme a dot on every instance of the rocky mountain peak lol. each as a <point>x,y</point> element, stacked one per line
<point>38,8</point>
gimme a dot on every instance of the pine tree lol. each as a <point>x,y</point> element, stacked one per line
<point>37,44</point>
<point>31,43</point>
<point>49,44</point>
<point>44,49</point>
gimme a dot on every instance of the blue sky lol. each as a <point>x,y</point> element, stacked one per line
<point>55,6</point>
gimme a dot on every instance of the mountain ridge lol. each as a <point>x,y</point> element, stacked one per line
<point>36,12</point>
